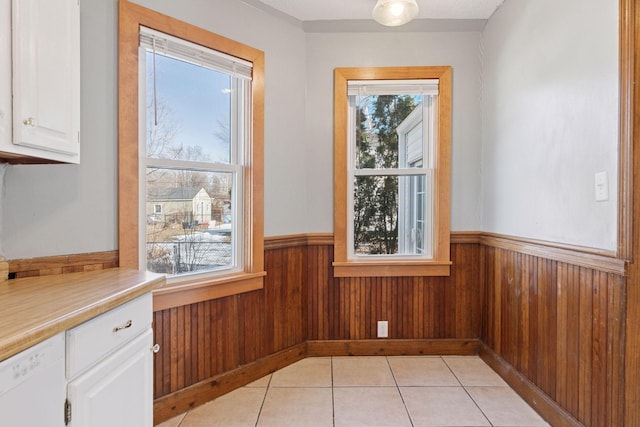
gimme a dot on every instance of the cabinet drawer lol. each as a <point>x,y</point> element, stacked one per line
<point>93,340</point>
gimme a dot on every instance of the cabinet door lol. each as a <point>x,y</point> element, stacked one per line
<point>118,391</point>
<point>46,77</point>
<point>5,72</point>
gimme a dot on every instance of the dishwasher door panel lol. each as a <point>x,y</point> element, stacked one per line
<point>33,386</point>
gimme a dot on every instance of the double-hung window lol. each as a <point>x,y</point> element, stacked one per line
<point>191,117</point>
<point>195,117</point>
<point>391,183</point>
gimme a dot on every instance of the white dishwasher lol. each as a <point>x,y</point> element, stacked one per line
<point>33,386</point>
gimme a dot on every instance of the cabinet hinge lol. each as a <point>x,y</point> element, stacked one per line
<point>67,412</point>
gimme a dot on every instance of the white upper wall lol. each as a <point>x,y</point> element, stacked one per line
<point>325,52</point>
<point>550,120</point>
<point>67,209</point>
<point>63,209</point>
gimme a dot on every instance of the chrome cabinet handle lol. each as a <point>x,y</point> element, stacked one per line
<point>125,326</point>
<point>29,122</point>
<point>155,348</point>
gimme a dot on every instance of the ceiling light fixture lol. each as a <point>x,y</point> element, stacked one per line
<point>395,12</point>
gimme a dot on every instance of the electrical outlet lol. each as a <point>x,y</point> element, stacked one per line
<point>383,328</point>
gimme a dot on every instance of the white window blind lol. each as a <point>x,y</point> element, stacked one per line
<point>195,54</point>
<point>392,87</point>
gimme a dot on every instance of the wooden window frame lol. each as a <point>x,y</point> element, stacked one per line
<point>131,17</point>
<point>440,264</point>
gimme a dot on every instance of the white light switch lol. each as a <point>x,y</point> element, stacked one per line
<point>602,186</point>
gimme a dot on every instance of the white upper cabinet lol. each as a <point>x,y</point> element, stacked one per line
<point>5,72</point>
<point>45,41</point>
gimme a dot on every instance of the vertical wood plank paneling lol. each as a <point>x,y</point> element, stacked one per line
<point>616,350</point>
<point>599,349</point>
<point>530,283</point>
<point>416,308</point>
<point>509,307</point>
<point>525,307</point>
<point>558,324</point>
<point>274,268</point>
<point>166,348</point>
<point>312,292</point>
<point>204,339</point>
<point>217,356</point>
<point>573,338</point>
<point>488,262</point>
<point>187,331</point>
<point>180,350</point>
<point>586,339</point>
<point>207,348</point>
<point>552,319</point>
<point>418,303</point>
<point>231,326</point>
<point>448,315</point>
<point>353,307</point>
<point>201,340</point>
<point>496,280</point>
<point>561,333</point>
<point>561,326</point>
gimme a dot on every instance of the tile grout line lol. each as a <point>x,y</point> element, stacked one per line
<point>399,392</point>
<point>333,396</point>
<point>182,420</point>
<point>264,399</point>
<point>467,392</point>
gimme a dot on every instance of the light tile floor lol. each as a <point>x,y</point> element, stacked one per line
<point>394,391</point>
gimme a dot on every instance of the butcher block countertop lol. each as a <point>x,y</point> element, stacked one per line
<point>36,308</point>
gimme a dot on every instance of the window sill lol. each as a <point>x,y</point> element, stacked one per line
<point>191,292</point>
<point>391,269</point>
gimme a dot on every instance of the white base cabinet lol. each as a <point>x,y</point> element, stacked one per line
<point>110,368</point>
<point>118,391</point>
<point>97,374</point>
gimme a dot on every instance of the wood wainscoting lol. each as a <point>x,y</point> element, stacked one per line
<point>550,319</point>
<point>348,308</point>
<point>556,329</point>
<point>202,345</point>
<point>208,348</point>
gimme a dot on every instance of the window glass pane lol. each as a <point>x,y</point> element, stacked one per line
<point>188,110</point>
<point>389,215</point>
<point>388,130</point>
<point>194,230</point>
<point>414,211</point>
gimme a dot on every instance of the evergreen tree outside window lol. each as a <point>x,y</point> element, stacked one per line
<point>392,171</point>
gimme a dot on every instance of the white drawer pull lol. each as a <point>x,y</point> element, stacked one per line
<point>155,348</point>
<point>125,326</point>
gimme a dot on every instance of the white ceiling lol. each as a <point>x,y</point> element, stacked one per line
<point>316,10</point>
